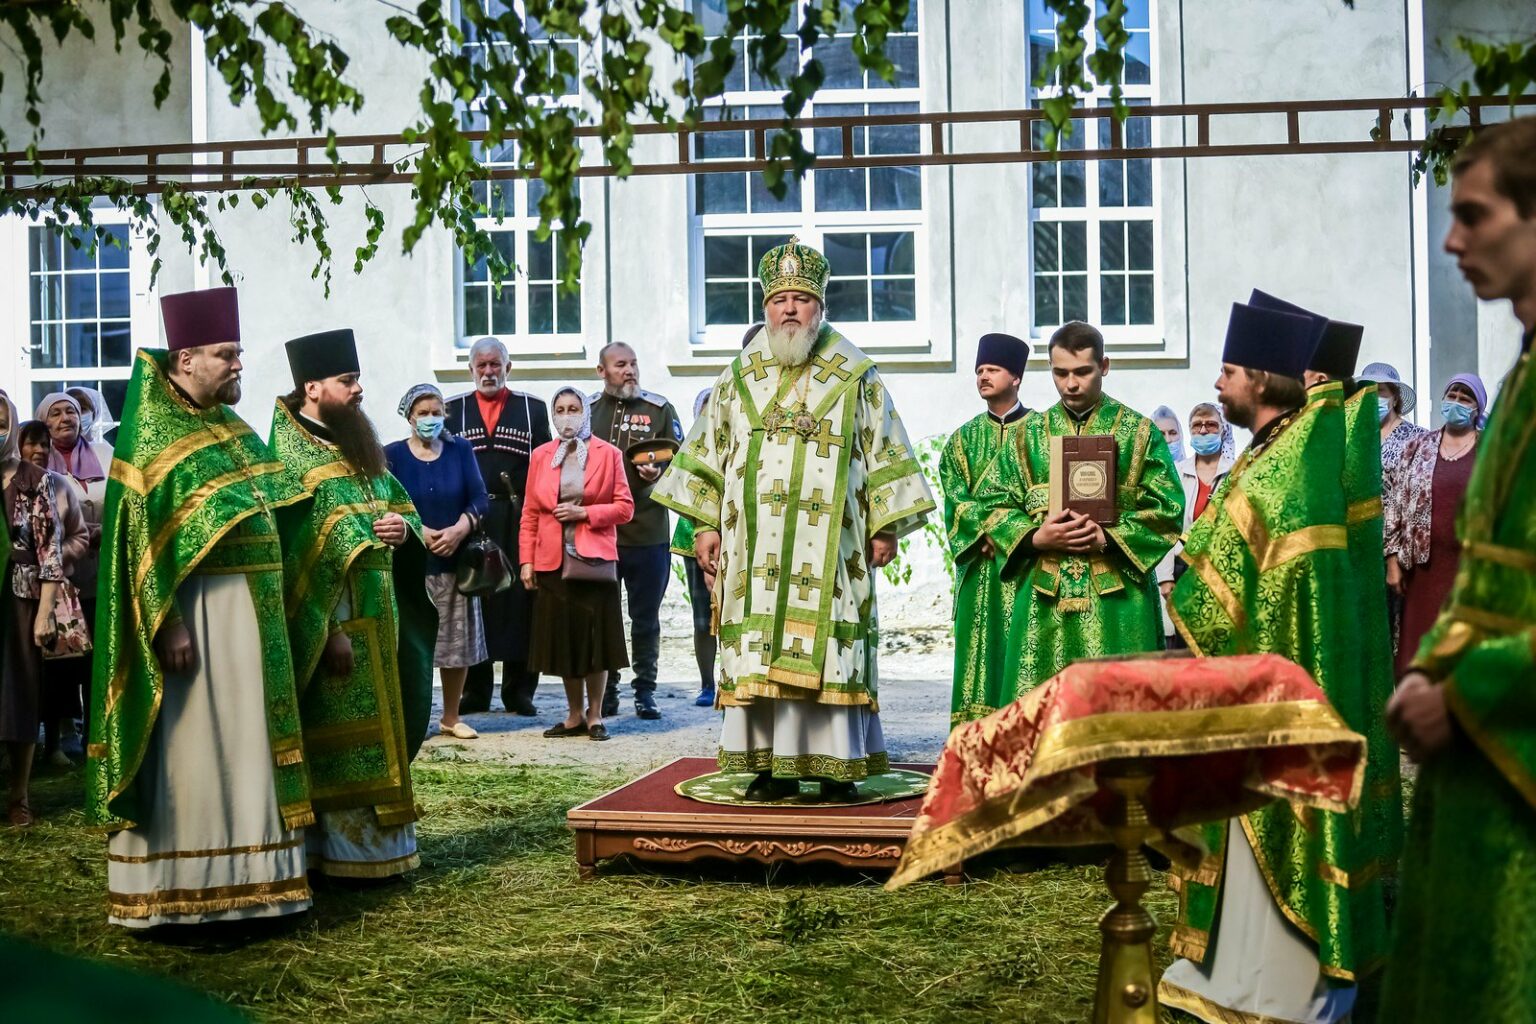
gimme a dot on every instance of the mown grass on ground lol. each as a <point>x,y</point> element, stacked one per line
<point>496,927</point>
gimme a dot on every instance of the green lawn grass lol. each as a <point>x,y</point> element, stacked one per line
<point>496,927</point>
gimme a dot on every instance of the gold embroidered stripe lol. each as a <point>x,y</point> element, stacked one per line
<point>142,481</point>
<point>228,851</point>
<point>370,868</point>
<point>1364,511</point>
<point>1171,995</point>
<point>205,901</point>
<point>1514,558</point>
<point>1272,552</point>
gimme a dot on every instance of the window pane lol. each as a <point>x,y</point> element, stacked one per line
<point>541,259</point>
<point>475,311</point>
<point>47,297</point>
<point>1047,301</point>
<point>47,346</point>
<point>1140,246</point>
<point>1112,245</point>
<point>115,392</point>
<point>891,253</point>
<point>726,303</point>
<point>763,201</point>
<point>710,15</point>
<point>1046,240</point>
<point>847,254</point>
<point>1112,298</point>
<point>1074,191</point>
<point>504,308</point>
<point>1141,299</point>
<point>721,193</point>
<point>1138,59</point>
<point>1111,183</point>
<point>848,300</point>
<point>116,345</point>
<point>902,50</point>
<point>894,138</point>
<point>42,249</point>
<point>895,299</point>
<point>760,246</point>
<point>1138,182</point>
<point>785,67</point>
<point>726,256</point>
<point>1044,181</point>
<point>79,295</point>
<point>111,256</point>
<point>839,66</point>
<point>1074,297</point>
<point>720,145</point>
<point>1138,14</point>
<point>1074,246</point>
<point>114,296</point>
<point>541,309</point>
<point>536,190</point>
<point>840,190</point>
<point>568,312</point>
<point>895,188</point>
<point>81,258</point>
<point>80,345</point>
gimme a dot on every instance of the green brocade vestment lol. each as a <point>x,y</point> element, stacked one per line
<point>1270,572</point>
<point>361,730</point>
<point>190,490</point>
<point>1084,606</point>
<point>984,672</point>
<point>1463,950</point>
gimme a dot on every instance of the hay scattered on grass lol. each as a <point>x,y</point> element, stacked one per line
<point>496,927</point>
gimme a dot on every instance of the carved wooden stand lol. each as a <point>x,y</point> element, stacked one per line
<point>1127,986</point>
<point>646,820</point>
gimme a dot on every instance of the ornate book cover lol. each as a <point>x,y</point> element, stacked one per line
<point>1083,476</point>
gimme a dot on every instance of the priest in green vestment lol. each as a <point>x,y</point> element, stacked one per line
<point>799,479</point>
<point>195,759</point>
<point>984,599</point>
<point>1467,710</point>
<point>360,622</point>
<point>1085,590</point>
<point>1286,911</point>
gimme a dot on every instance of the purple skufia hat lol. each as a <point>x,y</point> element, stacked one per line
<point>207,317</point>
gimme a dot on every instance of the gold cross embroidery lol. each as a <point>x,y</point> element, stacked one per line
<point>815,507</point>
<point>777,499</point>
<point>805,581</point>
<point>730,515</point>
<point>834,367</point>
<point>703,490</point>
<point>797,648</point>
<point>768,572</point>
<point>882,499</point>
<point>757,366</point>
<point>734,643</point>
<point>824,439</point>
<point>762,646</point>
<point>740,590</point>
<point>854,563</point>
<point>893,451</point>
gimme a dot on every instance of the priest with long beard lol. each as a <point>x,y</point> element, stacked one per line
<point>799,480</point>
<point>360,623</point>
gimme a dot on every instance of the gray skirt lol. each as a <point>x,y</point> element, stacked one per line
<point>460,632</point>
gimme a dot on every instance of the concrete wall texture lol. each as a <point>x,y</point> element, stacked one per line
<point>1347,235</point>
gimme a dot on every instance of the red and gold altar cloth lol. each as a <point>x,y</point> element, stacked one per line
<point>1223,736</point>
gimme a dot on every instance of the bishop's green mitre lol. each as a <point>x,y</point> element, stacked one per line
<point>794,267</point>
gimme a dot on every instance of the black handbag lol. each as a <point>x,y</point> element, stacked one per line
<point>483,567</point>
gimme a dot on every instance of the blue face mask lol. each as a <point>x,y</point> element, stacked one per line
<point>1383,407</point>
<point>1205,444</point>
<point>1457,415</point>
<point>428,427</point>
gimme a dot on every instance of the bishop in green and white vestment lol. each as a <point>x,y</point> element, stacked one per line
<point>798,467</point>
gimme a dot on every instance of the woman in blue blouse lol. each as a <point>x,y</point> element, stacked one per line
<point>439,472</point>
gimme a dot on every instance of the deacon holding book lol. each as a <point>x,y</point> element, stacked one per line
<point>361,625</point>
<point>195,757</point>
<point>984,600</point>
<point>1298,894</point>
<point>799,479</point>
<point>1102,505</point>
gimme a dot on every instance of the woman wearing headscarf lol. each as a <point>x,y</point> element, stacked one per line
<point>1200,472</point>
<point>439,472</point>
<point>1419,516</point>
<point>577,497</point>
<point>96,422</point>
<point>83,464</point>
<point>33,572</point>
<point>1168,423</point>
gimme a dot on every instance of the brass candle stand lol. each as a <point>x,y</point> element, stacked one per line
<point>1127,991</point>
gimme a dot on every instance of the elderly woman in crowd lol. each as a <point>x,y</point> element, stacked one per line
<point>65,680</point>
<point>84,465</point>
<point>96,422</point>
<point>1168,423</point>
<point>1210,438</point>
<point>1424,492</point>
<point>439,472</point>
<point>577,496</point>
<point>32,579</point>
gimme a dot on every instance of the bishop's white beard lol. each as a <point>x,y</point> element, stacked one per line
<point>792,347</point>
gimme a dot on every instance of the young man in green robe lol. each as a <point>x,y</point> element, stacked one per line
<point>360,623</point>
<point>983,598</point>
<point>1085,590</point>
<point>1286,911</point>
<point>195,760</point>
<point>1467,710</point>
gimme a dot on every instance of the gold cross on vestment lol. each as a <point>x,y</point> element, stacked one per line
<point>730,515</point>
<point>757,366</point>
<point>797,648</point>
<point>892,451</point>
<point>740,590</point>
<point>824,439</point>
<point>834,367</point>
<point>733,642</point>
<point>854,563</point>
<point>768,572</point>
<point>805,581</point>
<point>762,646</point>
<point>703,490</point>
<point>777,499</point>
<point>815,507</point>
<point>882,499</point>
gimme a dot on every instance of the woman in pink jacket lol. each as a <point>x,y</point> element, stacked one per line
<point>576,497</point>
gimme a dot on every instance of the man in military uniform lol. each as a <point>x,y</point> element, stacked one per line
<point>625,415</point>
<point>504,427</point>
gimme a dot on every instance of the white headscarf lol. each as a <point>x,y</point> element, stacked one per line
<point>1176,446</point>
<point>579,442</point>
<point>10,451</point>
<point>102,421</point>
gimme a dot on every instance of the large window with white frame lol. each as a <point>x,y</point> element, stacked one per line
<point>870,222</point>
<point>529,312</point>
<point>1094,223</point>
<point>79,311</point>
